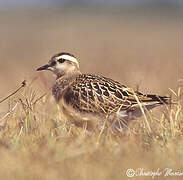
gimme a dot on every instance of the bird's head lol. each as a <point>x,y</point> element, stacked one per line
<point>61,64</point>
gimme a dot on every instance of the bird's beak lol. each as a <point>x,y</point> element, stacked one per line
<point>45,67</point>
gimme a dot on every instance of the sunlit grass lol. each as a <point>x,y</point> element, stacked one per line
<point>38,143</point>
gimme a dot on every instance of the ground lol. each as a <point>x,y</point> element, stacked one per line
<point>141,51</point>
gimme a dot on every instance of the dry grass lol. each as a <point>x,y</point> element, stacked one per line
<point>36,142</point>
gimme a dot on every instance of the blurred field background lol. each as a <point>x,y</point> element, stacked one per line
<point>138,44</point>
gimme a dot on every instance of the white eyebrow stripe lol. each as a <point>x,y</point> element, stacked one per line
<point>70,58</point>
<point>67,57</point>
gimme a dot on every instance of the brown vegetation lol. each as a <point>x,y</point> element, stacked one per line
<point>36,142</point>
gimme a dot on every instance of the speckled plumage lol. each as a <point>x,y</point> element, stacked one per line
<point>98,95</point>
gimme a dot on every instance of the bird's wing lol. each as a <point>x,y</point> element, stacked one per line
<point>91,93</point>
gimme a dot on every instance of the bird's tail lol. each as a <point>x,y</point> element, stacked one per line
<point>158,99</point>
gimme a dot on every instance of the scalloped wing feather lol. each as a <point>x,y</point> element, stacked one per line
<point>91,93</point>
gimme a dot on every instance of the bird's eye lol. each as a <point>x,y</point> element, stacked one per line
<point>53,63</point>
<point>61,60</point>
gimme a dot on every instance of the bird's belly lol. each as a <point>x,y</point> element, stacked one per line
<point>87,120</point>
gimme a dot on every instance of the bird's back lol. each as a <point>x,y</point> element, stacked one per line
<point>98,94</point>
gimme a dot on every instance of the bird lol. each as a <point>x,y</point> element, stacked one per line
<point>94,101</point>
